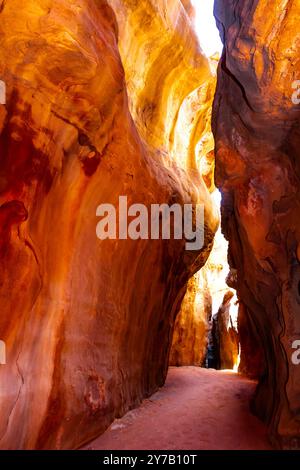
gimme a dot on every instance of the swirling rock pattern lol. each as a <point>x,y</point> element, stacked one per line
<point>87,324</point>
<point>256,126</point>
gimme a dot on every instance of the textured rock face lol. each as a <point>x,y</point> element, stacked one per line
<point>251,354</point>
<point>256,127</point>
<point>189,344</point>
<point>170,83</point>
<point>87,324</point>
<point>226,335</point>
<point>206,325</point>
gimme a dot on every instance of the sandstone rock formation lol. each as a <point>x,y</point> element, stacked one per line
<point>226,335</point>
<point>88,324</point>
<point>189,342</point>
<point>256,126</point>
<point>251,354</point>
<point>193,337</point>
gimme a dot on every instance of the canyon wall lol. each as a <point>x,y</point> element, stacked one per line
<point>205,332</point>
<point>225,335</point>
<point>103,99</point>
<point>189,342</point>
<point>256,127</point>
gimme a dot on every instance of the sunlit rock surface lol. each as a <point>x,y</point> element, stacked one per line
<point>88,324</point>
<point>226,335</point>
<point>203,307</point>
<point>256,126</point>
<point>189,344</point>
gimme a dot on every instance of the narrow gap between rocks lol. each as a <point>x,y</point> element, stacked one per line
<point>204,403</point>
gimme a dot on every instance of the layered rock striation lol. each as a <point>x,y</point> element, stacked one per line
<point>103,99</point>
<point>256,127</point>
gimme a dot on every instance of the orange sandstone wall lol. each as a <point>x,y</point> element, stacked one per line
<point>256,127</point>
<point>190,337</point>
<point>88,324</point>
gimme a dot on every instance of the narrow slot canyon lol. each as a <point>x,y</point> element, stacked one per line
<point>115,333</point>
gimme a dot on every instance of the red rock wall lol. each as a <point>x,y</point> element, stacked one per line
<point>204,306</point>
<point>189,342</point>
<point>256,127</point>
<point>226,335</point>
<point>88,324</point>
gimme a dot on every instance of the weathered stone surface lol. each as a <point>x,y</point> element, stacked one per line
<point>226,334</point>
<point>88,324</point>
<point>193,337</point>
<point>252,356</point>
<point>189,344</point>
<point>256,126</point>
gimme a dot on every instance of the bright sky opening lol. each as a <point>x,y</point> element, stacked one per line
<point>206,28</point>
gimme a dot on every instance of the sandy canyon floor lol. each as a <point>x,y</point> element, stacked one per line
<point>199,409</point>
